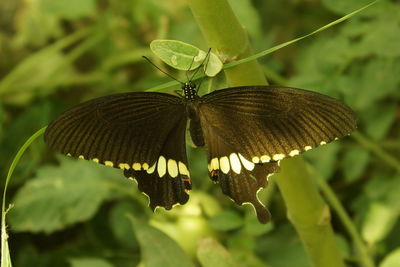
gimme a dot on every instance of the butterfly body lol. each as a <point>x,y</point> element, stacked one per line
<point>246,131</point>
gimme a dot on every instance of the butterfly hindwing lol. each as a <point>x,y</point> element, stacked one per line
<point>167,182</point>
<point>239,178</point>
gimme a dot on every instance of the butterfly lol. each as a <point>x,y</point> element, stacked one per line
<point>246,131</point>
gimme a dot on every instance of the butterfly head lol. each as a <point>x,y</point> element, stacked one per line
<point>189,90</point>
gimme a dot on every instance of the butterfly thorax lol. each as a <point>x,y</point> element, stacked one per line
<point>189,91</point>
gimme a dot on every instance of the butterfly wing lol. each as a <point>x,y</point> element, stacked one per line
<point>167,182</point>
<point>246,128</point>
<point>131,131</point>
<point>238,178</point>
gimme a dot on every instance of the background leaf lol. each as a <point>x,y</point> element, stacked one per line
<point>154,241</point>
<point>183,56</point>
<point>210,253</point>
<point>89,262</point>
<point>57,54</point>
<point>54,199</point>
<point>391,260</point>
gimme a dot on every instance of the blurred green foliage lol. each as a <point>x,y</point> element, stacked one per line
<point>55,54</point>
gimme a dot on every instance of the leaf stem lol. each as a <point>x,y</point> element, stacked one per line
<point>5,256</point>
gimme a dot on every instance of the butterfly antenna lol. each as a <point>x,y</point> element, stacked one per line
<point>202,64</point>
<point>207,58</point>
<point>187,72</point>
<point>166,73</point>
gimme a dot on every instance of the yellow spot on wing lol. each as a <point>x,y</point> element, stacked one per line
<point>255,159</point>
<point>161,166</point>
<point>183,169</point>
<point>124,166</point>
<point>214,163</point>
<point>95,160</point>
<point>247,164</point>
<point>235,163</point>
<point>172,168</point>
<point>152,168</point>
<point>224,164</point>
<point>307,148</point>
<point>294,152</point>
<point>108,163</point>
<point>265,158</point>
<point>81,157</point>
<point>136,166</point>
<point>278,156</point>
<point>145,166</point>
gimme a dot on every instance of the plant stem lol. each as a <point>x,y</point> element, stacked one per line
<point>377,150</point>
<point>363,257</point>
<point>306,208</point>
<point>308,213</point>
<point>228,39</point>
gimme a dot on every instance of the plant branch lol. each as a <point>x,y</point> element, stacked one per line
<point>363,256</point>
<point>228,39</point>
<point>306,208</point>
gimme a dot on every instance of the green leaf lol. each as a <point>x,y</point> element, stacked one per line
<point>41,70</point>
<point>378,119</point>
<point>380,219</point>
<point>89,262</point>
<point>354,162</point>
<point>392,259</point>
<point>183,56</point>
<point>69,9</point>
<point>383,211</point>
<point>253,227</point>
<point>35,28</point>
<point>382,38</point>
<point>121,226</point>
<point>247,258</point>
<point>344,6</point>
<point>280,46</point>
<point>226,220</point>
<point>157,248</point>
<point>60,196</point>
<point>371,82</point>
<point>343,245</point>
<point>323,158</point>
<point>377,35</point>
<point>210,253</point>
<point>282,248</point>
<point>177,54</point>
<point>248,16</point>
<point>214,65</point>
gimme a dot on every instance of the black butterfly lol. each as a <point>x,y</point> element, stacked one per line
<point>246,130</point>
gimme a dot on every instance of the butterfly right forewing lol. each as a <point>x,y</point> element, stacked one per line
<point>248,130</point>
<point>267,123</point>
